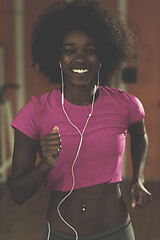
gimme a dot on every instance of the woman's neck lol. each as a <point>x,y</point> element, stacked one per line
<point>80,96</point>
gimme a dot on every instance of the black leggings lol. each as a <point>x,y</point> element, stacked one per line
<point>121,232</point>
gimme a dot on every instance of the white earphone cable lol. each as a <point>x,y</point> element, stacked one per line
<point>49,231</point>
<point>80,144</point>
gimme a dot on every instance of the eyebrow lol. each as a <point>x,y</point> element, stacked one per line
<point>73,44</point>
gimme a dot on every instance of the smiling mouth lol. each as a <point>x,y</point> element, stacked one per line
<point>80,71</point>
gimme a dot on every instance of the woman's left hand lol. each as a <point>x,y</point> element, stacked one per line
<point>139,195</point>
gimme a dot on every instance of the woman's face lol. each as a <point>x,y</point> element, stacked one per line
<point>80,59</point>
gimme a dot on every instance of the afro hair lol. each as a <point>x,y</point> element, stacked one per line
<point>113,39</point>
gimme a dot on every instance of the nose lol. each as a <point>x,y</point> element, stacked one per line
<point>80,54</point>
<point>79,61</point>
<point>80,58</point>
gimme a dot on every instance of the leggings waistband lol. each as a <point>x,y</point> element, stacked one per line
<point>109,234</point>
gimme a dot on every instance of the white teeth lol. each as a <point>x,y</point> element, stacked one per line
<point>80,70</point>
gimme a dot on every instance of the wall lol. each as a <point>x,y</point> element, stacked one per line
<point>8,75</point>
<point>143,19</point>
<point>7,40</point>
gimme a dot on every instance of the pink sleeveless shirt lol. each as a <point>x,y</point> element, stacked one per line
<point>100,157</point>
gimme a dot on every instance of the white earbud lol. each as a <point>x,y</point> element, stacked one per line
<point>60,64</point>
<point>62,82</point>
<point>98,80</point>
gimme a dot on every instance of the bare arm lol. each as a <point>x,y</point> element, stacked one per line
<point>27,178</point>
<point>139,149</point>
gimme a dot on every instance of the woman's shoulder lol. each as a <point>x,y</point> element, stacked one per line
<point>28,118</point>
<point>46,96</point>
<point>44,99</point>
<point>119,94</point>
<point>127,101</point>
<point>115,91</point>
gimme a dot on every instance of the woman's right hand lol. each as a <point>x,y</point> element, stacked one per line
<point>50,148</point>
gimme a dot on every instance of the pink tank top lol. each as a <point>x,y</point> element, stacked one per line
<point>100,157</point>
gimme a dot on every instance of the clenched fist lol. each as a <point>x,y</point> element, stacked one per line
<point>50,147</point>
<point>139,195</point>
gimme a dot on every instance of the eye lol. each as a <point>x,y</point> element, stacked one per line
<point>69,51</point>
<point>91,51</point>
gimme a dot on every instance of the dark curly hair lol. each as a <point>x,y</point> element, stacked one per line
<point>113,40</point>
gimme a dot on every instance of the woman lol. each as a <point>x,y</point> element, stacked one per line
<point>79,130</point>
